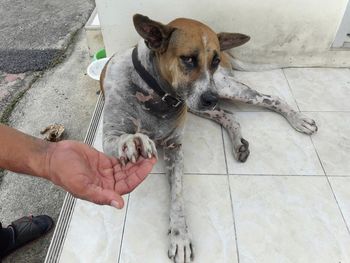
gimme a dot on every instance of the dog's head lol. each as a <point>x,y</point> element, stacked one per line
<point>187,54</point>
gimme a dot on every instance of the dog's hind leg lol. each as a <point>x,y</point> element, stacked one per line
<point>228,121</point>
<point>180,249</point>
<point>229,88</point>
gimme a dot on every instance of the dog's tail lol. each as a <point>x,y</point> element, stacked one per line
<point>246,66</point>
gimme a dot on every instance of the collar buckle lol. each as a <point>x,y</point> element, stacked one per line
<point>177,101</point>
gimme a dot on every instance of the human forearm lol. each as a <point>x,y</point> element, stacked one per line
<point>78,168</point>
<point>23,153</point>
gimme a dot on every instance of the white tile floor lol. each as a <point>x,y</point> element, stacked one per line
<point>290,202</point>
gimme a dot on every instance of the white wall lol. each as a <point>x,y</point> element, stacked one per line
<point>286,32</point>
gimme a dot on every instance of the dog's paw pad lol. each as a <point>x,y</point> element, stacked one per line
<point>241,150</point>
<point>181,249</point>
<point>131,146</point>
<point>303,124</point>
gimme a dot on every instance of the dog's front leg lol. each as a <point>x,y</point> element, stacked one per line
<point>229,88</point>
<point>180,249</point>
<point>228,121</point>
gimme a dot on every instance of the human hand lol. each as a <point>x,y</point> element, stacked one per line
<point>93,176</point>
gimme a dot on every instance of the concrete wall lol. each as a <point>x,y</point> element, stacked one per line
<point>283,32</point>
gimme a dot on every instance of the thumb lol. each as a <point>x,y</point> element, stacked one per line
<point>100,196</point>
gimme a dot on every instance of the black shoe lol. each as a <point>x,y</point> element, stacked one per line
<point>25,230</point>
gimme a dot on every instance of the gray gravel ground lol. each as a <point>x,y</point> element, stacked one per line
<point>65,95</point>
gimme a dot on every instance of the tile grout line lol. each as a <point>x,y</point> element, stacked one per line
<point>223,145</point>
<point>257,174</point>
<point>198,173</point>
<point>264,110</point>
<point>233,217</point>
<point>328,111</point>
<point>124,224</point>
<point>285,175</point>
<point>229,189</point>
<point>330,185</point>
<point>318,156</point>
<point>339,176</point>
<point>290,89</point>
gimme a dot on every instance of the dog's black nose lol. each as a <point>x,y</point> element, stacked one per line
<point>209,99</point>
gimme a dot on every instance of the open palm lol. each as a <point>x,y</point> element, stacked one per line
<point>91,175</point>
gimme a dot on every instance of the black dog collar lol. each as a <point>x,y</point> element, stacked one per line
<point>152,83</point>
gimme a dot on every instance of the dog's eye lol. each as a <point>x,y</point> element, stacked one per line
<point>216,61</point>
<point>189,61</point>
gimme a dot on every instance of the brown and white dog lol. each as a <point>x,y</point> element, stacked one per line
<point>148,90</point>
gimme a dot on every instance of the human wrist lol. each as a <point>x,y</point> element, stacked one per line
<point>40,161</point>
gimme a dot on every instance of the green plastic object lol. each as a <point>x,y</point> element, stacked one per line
<point>100,54</point>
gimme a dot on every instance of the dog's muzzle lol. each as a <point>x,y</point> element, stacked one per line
<point>208,100</point>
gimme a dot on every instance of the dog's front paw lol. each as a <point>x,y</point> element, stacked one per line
<point>131,146</point>
<point>181,249</point>
<point>241,150</point>
<point>302,123</point>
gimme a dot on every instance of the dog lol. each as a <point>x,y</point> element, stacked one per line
<point>175,68</point>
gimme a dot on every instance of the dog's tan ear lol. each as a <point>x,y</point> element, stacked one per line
<point>156,34</point>
<point>231,40</point>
